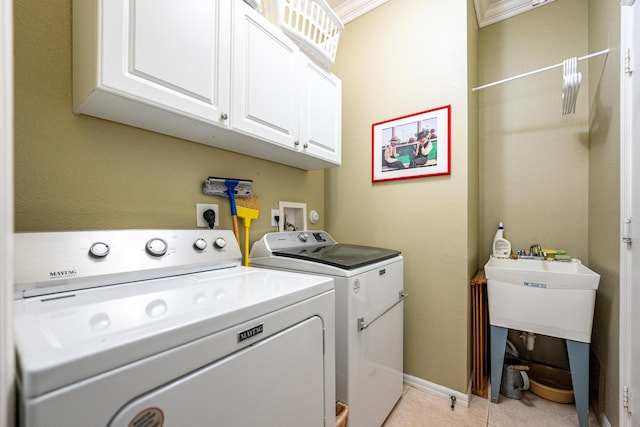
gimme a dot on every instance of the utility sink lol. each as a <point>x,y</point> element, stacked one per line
<point>554,298</point>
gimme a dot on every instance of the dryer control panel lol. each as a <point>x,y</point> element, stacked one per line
<point>54,262</point>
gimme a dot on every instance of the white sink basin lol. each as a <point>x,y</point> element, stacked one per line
<point>541,273</point>
<point>547,297</point>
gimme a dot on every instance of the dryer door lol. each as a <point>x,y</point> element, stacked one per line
<point>276,382</point>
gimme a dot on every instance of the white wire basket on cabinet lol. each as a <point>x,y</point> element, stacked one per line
<point>311,24</point>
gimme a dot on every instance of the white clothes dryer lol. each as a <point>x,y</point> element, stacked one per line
<point>165,328</point>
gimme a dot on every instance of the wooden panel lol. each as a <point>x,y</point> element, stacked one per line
<point>480,318</point>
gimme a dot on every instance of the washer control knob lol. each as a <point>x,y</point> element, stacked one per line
<point>99,249</point>
<point>156,247</point>
<point>220,243</point>
<point>303,237</point>
<point>200,244</point>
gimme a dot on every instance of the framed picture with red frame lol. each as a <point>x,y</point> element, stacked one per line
<point>412,146</point>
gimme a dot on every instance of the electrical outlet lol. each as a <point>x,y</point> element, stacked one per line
<point>200,209</point>
<point>274,213</point>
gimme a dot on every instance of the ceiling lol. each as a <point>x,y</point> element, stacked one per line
<point>487,11</point>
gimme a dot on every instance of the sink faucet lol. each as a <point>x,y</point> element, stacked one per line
<point>536,251</point>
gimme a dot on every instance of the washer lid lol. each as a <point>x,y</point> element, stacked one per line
<point>340,255</point>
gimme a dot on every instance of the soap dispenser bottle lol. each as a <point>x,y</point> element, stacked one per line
<point>501,246</point>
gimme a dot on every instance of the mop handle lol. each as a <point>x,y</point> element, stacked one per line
<point>231,186</point>
<point>246,242</point>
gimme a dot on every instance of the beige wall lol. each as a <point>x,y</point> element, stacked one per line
<point>604,199</point>
<point>404,57</point>
<point>473,194</point>
<point>550,178</point>
<point>78,173</point>
<point>534,161</point>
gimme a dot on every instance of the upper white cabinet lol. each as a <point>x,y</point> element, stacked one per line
<point>320,112</point>
<point>163,52</point>
<point>265,79</point>
<point>210,71</point>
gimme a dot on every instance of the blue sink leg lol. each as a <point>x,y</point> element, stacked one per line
<point>579,364</point>
<point>498,344</point>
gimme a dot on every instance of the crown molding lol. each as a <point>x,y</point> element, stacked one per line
<point>352,9</point>
<point>491,11</point>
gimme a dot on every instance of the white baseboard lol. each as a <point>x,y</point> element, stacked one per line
<point>438,390</point>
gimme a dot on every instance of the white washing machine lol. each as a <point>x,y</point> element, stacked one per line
<point>369,314</point>
<point>165,328</point>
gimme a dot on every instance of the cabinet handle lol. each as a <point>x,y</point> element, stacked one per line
<point>224,116</point>
<point>306,145</point>
<point>296,143</point>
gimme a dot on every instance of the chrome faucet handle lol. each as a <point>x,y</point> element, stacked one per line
<point>535,250</point>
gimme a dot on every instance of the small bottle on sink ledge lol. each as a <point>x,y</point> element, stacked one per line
<point>501,246</point>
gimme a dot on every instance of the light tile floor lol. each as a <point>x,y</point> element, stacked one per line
<point>417,408</point>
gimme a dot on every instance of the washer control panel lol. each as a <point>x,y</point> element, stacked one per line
<point>297,239</point>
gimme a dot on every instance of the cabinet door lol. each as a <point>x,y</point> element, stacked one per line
<point>265,76</point>
<point>320,113</point>
<point>172,54</point>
